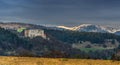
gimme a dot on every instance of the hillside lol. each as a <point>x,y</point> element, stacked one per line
<point>13,45</point>
<point>76,37</point>
<point>94,45</point>
<point>10,43</point>
<point>52,61</point>
<point>59,43</point>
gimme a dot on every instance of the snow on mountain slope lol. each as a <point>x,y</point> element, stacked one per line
<point>64,27</point>
<point>90,28</point>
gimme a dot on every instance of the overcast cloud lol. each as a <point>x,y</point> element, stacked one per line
<point>60,12</point>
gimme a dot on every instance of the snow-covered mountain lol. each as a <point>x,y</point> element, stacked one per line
<point>90,28</point>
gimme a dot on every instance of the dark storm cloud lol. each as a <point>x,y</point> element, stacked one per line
<point>60,12</point>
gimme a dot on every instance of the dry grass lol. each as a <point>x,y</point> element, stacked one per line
<point>51,61</point>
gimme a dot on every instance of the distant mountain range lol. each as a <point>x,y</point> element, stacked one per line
<point>80,28</point>
<point>90,28</point>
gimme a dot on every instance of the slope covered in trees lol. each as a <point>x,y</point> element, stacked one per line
<point>11,44</point>
<point>75,37</point>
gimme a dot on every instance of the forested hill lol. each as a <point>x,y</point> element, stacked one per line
<point>13,45</point>
<point>10,42</point>
<point>58,45</point>
<point>75,37</point>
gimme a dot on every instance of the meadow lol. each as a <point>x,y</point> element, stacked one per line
<point>53,61</point>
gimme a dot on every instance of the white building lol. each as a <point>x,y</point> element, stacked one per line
<point>34,33</point>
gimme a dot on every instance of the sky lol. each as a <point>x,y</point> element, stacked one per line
<point>60,12</point>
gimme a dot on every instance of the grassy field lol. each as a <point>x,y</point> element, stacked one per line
<point>92,49</point>
<point>52,61</point>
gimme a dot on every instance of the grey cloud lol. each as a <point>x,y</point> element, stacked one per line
<point>60,12</point>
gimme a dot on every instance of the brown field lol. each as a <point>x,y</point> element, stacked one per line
<point>52,61</point>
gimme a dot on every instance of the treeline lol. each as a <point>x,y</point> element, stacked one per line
<point>75,37</point>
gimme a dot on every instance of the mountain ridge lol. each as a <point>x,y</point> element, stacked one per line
<point>90,28</point>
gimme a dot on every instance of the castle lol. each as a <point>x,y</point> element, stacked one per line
<point>34,33</point>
